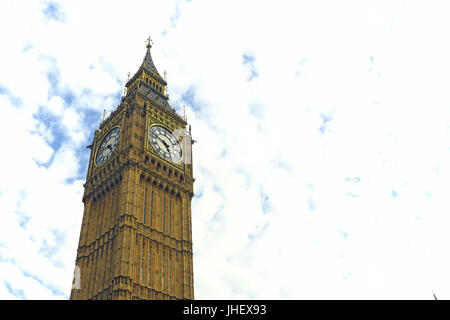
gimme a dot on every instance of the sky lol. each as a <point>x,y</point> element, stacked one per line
<point>322,162</point>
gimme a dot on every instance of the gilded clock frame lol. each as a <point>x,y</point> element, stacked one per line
<point>117,125</point>
<point>149,148</point>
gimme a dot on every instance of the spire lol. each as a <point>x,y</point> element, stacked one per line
<point>148,62</point>
<point>148,81</point>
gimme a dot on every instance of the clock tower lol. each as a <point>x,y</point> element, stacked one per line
<point>136,233</point>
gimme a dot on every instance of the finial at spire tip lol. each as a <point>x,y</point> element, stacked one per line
<point>149,42</point>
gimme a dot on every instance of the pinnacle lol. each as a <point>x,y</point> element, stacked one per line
<point>148,62</point>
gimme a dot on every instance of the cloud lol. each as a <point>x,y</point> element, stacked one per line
<point>53,11</point>
<point>15,101</point>
<point>248,61</point>
<point>325,119</point>
<point>19,293</point>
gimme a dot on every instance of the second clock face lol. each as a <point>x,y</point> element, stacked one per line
<point>165,143</point>
<point>107,147</point>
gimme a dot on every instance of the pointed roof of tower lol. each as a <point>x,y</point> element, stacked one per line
<point>148,65</point>
<point>148,61</point>
<point>157,93</point>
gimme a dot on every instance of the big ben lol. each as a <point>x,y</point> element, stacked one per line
<point>136,233</point>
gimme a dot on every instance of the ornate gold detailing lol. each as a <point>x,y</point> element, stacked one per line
<point>101,140</point>
<point>161,119</point>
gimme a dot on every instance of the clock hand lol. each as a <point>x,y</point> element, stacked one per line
<point>167,146</point>
<point>157,137</point>
<point>164,143</point>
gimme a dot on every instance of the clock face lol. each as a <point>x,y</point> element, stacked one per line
<point>165,143</point>
<point>107,147</point>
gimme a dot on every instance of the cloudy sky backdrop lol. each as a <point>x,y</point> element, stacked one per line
<point>322,160</point>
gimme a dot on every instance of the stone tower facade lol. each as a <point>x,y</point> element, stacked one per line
<point>136,235</point>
